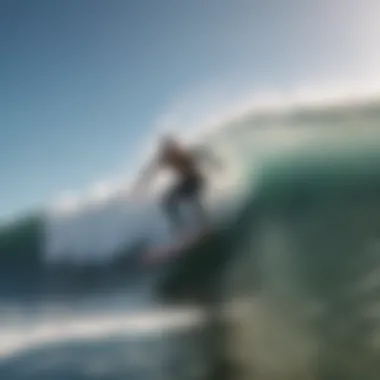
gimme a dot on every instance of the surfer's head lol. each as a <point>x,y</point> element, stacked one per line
<point>168,143</point>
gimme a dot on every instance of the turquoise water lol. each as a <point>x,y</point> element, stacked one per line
<point>299,252</point>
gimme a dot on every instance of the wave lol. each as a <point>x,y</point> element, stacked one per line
<point>311,260</point>
<point>25,271</point>
<point>93,231</point>
<point>101,244</point>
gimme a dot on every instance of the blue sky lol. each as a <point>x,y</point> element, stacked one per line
<point>83,82</point>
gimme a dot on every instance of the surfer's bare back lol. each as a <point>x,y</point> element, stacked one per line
<point>190,184</point>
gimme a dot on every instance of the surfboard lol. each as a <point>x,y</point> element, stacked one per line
<point>172,250</point>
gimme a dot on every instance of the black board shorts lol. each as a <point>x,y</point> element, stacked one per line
<point>188,187</point>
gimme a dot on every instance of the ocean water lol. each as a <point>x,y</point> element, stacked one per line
<point>297,247</point>
<point>61,342</point>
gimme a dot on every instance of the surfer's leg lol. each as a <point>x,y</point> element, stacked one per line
<point>171,205</point>
<point>193,191</point>
<point>190,190</point>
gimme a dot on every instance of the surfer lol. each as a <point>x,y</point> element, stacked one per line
<point>190,183</point>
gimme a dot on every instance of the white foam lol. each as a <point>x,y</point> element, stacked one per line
<point>16,338</point>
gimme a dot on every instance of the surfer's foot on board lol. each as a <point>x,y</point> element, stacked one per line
<point>181,240</point>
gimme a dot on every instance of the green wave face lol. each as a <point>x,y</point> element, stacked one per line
<point>309,263</point>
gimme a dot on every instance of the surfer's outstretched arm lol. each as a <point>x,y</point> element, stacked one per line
<point>144,177</point>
